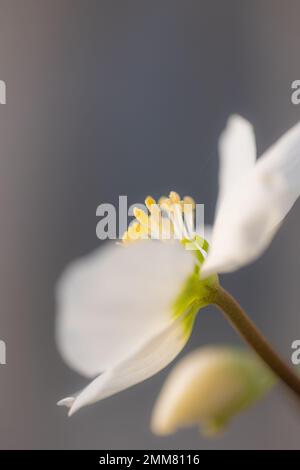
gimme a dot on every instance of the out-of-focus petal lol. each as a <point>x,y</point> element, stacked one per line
<point>145,362</point>
<point>283,158</point>
<point>113,301</point>
<point>251,213</point>
<point>237,153</point>
<point>208,387</point>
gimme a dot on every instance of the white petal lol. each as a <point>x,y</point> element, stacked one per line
<point>250,215</point>
<point>68,402</point>
<point>144,363</point>
<point>237,153</point>
<point>284,158</point>
<point>111,302</point>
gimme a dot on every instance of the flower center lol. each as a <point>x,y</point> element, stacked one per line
<point>171,218</point>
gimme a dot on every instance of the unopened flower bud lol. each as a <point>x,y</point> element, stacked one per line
<point>209,387</point>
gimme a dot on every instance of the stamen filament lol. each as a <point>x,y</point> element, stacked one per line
<point>170,218</point>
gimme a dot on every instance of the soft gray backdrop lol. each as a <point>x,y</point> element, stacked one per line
<point>114,97</point>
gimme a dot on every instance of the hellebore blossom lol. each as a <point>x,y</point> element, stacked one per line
<point>125,312</point>
<point>208,387</point>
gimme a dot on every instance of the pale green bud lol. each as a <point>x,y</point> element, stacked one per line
<point>208,388</point>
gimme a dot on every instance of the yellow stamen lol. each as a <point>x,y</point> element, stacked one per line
<point>166,204</point>
<point>134,231</point>
<point>126,238</point>
<point>141,216</point>
<point>168,217</point>
<point>161,200</point>
<point>174,197</point>
<point>149,201</point>
<point>189,201</point>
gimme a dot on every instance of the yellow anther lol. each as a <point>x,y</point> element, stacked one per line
<point>149,201</point>
<point>133,228</point>
<point>189,202</point>
<point>166,204</point>
<point>126,238</point>
<point>169,217</point>
<point>141,216</point>
<point>134,231</point>
<point>174,197</point>
<point>162,199</point>
<point>144,231</point>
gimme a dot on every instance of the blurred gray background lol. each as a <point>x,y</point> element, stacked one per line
<point>98,94</point>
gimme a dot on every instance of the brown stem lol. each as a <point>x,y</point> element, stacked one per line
<point>246,328</point>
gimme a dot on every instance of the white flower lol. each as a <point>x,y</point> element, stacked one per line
<point>209,387</point>
<point>125,312</point>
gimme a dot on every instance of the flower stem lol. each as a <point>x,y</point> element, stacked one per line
<point>246,328</point>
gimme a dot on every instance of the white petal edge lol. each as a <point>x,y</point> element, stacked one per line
<point>144,363</point>
<point>283,158</point>
<point>237,153</point>
<point>111,302</point>
<point>250,215</point>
